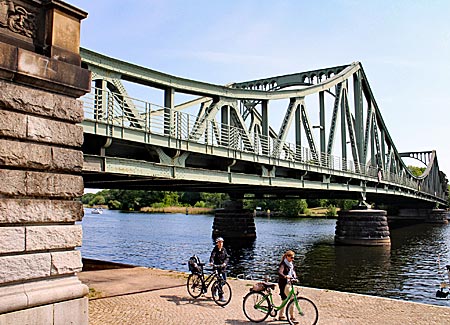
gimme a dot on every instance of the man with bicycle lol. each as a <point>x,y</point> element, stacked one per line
<point>219,256</point>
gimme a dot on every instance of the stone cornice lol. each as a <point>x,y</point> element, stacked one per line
<point>42,72</point>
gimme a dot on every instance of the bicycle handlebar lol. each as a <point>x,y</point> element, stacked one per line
<point>216,267</point>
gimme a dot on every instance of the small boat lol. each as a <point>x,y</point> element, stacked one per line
<point>97,211</point>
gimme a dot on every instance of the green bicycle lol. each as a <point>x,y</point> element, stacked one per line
<point>258,305</point>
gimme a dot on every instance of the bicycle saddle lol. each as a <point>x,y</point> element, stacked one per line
<point>269,285</point>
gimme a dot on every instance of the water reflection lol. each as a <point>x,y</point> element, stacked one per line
<point>347,268</point>
<point>406,270</point>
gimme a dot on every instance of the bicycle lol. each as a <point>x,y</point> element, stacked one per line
<point>198,284</point>
<point>258,305</point>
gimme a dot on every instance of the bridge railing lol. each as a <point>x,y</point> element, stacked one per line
<point>109,108</point>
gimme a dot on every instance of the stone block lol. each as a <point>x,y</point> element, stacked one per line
<point>51,74</point>
<point>41,292</point>
<point>56,132</point>
<point>12,239</point>
<point>67,159</point>
<point>36,156</point>
<point>54,290</point>
<point>8,62</point>
<point>25,155</point>
<point>13,182</point>
<point>12,297</point>
<point>13,124</point>
<point>39,211</point>
<point>54,185</point>
<point>52,237</point>
<point>24,267</point>
<point>23,183</point>
<point>71,312</point>
<point>40,102</point>
<point>66,262</point>
<point>37,315</point>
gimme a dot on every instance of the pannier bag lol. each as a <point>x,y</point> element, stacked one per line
<point>194,264</point>
<point>257,287</point>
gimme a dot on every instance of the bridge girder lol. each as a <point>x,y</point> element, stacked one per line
<point>314,97</point>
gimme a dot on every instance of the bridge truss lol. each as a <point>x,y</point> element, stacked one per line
<point>318,133</point>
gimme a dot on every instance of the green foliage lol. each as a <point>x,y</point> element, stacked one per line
<point>158,205</point>
<point>416,171</point>
<point>291,207</point>
<point>331,211</point>
<point>316,203</point>
<point>189,198</point>
<point>99,200</point>
<point>114,205</point>
<point>200,204</point>
<point>87,198</point>
<point>347,204</point>
<point>170,199</point>
<point>134,200</point>
<point>214,200</point>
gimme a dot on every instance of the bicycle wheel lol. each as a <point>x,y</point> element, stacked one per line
<point>221,293</point>
<point>194,285</point>
<point>308,313</point>
<point>256,306</point>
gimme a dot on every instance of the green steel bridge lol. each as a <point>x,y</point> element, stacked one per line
<point>313,134</point>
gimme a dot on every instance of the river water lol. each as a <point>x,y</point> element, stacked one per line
<point>407,270</point>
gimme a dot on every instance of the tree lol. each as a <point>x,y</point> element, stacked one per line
<point>170,199</point>
<point>189,198</point>
<point>416,171</point>
<point>99,200</point>
<point>315,203</point>
<point>214,200</point>
<point>293,207</point>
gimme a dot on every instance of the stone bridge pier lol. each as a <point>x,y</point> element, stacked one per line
<point>437,216</point>
<point>41,163</point>
<point>233,221</point>
<point>362,226</point>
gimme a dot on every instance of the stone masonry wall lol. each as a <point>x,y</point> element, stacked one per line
<point>40,175</point>
<point>40,163</point>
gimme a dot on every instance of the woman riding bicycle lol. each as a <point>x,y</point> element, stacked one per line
<point>285,271</point>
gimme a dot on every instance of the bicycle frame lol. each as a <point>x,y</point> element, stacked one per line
<point>208,279</point>
<point>269,295</point>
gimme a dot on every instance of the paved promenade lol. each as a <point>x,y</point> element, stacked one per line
<point>150,296</point>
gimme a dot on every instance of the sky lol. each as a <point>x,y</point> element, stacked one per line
<point>404,47</point>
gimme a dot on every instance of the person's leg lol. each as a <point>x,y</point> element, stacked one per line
<point>223,275</point>
<point>283,296</point>
<point>287,291</point>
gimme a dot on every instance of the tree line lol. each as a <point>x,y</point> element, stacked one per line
<point>135,200</point>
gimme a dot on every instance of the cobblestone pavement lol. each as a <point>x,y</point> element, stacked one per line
<point>166,301</point>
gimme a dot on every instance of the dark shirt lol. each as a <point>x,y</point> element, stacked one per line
<point>219,257</point>
<point>283,270</point>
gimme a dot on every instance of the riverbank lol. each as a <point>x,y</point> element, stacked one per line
<point>138,295</point>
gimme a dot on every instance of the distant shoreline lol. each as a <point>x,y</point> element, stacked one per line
<point>314,212</point>
<point>170,209</point>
